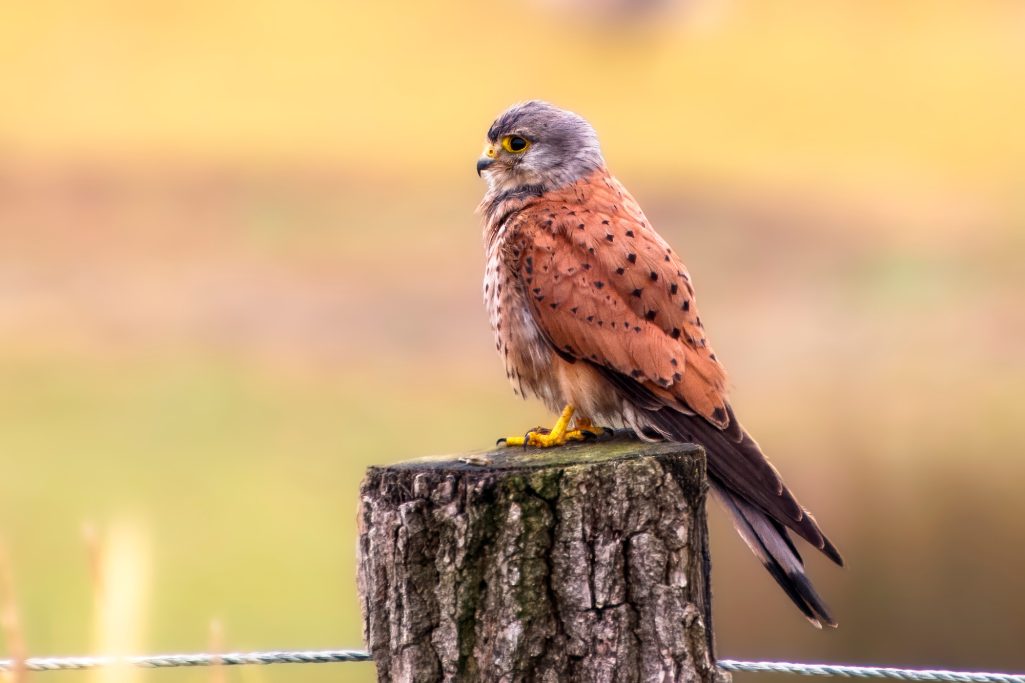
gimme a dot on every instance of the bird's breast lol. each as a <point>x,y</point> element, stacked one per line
<point>518,340</point>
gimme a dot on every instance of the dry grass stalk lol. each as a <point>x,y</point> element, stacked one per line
<point>10,623</point>
<point>218,674</point>
<point>120,565</point>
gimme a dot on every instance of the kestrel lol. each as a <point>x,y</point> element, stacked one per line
<point>595,315</point>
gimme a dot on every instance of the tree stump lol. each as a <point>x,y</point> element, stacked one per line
<point>582,563</point>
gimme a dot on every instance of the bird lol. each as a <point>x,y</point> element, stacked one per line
<point>595,315</point>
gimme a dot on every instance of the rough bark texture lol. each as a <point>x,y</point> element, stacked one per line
<point>583,563</point>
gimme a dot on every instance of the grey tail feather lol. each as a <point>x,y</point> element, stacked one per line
<point>769,541</point>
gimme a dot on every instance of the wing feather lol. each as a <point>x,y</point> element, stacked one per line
<point>604,288</point>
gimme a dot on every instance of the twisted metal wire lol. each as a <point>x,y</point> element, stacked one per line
<point>842,671</point>
<point>180,660</point>
<point>331,656</point>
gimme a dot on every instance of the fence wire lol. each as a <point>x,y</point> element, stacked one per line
<point>332,656</point>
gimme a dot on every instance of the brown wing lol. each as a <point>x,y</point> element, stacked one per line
<point>605,287</point>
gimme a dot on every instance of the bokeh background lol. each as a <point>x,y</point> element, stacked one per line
<point>239,263</point>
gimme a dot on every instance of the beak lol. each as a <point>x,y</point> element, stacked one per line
<point>489,158</point>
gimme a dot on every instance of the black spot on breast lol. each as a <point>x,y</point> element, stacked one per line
<point>686,305</point>
<point>637,329</point>
<point>629,233</point>
<point>620,271</point>
<point>712,356</point>
<point>605,222</point>
<point>675,334</point>
<point>554,305</point>
<point>677,377</point>
<point>673,362</point>
<point>653,276</point>
<point>650,315</point>
<point>585,266</point>
<point>599,284</point>
<point>590,318</point>
<point>580,227</point>
<point>546,224</point>
<point>632,258</point>
<point>636,292</point>
<point>609,237</point>
<point>636,373</point>
<point>673,289</point>
<point>573,310</point>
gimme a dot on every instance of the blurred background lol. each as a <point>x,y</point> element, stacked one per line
<point>239,263</point>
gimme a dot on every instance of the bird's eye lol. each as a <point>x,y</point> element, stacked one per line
<point>515,144</point>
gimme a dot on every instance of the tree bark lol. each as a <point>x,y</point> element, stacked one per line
<point>581,563</point>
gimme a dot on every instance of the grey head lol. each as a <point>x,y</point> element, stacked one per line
<point>537,144</point>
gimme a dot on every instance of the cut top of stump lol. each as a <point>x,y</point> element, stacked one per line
<point>587,453</point>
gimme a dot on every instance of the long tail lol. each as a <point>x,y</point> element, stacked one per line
<point>763,508</point>
<point>771,544</point>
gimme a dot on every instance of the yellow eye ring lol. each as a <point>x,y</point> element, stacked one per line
<point>515,144</point>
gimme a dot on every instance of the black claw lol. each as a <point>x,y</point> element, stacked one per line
<point>526,438</point>
<point>607,433</point>
<point>500,441</point>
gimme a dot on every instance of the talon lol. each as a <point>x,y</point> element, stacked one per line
<point>559,435</point>
<point>479,460</point>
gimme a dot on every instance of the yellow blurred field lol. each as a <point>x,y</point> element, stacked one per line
<point>239,263</point>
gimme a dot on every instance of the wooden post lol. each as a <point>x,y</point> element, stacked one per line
<point>582,563</point>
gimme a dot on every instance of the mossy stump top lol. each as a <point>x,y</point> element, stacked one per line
<point>582,563</point>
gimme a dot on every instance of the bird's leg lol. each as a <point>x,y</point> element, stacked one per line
<point>558,435</point>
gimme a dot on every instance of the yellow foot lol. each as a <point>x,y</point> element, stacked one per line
<point>559,435</point>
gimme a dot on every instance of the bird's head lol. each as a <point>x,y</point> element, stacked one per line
<point>536,143</point>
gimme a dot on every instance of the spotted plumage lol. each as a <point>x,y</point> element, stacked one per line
<point>592,309</point>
